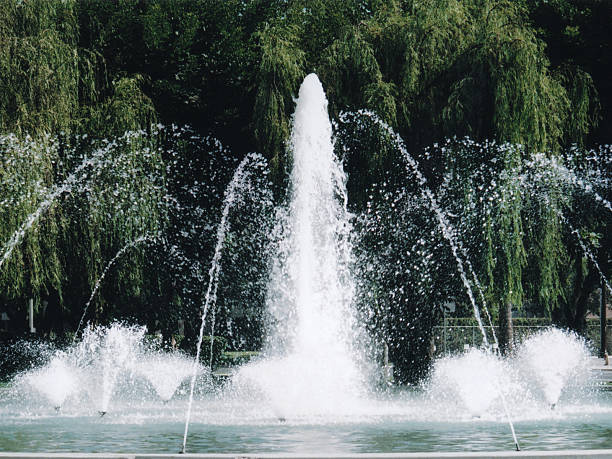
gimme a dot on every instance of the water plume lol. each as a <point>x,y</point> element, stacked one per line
<point>311,363</point>
<point>56,381</point>
<point>239,180</point>
<point>165,372</point>
<point>475,378</point>
<point>553,360</point>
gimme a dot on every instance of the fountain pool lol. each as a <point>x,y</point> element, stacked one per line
<point>405,422</point>
<point>459,407</point>
<point>313,389</point>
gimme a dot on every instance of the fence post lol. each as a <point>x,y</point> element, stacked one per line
<point>444,332</point>
<point>602,317</point>
<point>31,315</point>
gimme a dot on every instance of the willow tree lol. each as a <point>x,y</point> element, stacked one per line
<point>39,66</point>
<point>53,93</point>
<point>353,77</point>
<point>510,257</point>
<point>416,45</point>
<point>280,72</point>
<point>31,261</point>
<point>50,84</point>
<point>433,69</point>
<point>118,203</point>
<point>545,236</point>
<point>444,68</point>
<point>39,95</point>
<point>482,71</point>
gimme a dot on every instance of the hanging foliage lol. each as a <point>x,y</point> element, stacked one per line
<point>39,66</point>
<point>280,72</point>
<point>30,259</point>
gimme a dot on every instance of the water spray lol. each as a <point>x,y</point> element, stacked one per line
<point>449,234</point>
<point>122,251</point>
<point>237,181</point>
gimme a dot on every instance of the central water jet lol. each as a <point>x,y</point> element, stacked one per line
<point>311,364</point>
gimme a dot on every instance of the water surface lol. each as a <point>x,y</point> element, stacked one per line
<point>405,424</point>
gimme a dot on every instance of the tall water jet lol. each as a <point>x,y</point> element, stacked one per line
<point>311,363</point>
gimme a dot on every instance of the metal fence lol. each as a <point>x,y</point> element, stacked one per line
<point>456,338</point>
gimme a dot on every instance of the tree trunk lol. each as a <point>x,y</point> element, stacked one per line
<point>582,290</point>
<point>506,333</point>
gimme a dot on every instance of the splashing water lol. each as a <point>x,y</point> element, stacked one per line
<point>543,367</point>
<point>64,187</point>
<point>311,364</point>
<point>117,351</point>
<point>586,250</point>
<point>474,378</point>
<point>56,381</point>
<point>552,360</point>
<point>119,254</point>
<point>447,229</point>
<point>231,195</point>
<point>165,372</point>
<point>552,165</point>
<point>102,158</point>
<point>107,362</point>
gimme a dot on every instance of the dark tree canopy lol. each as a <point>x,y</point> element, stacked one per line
<point>475,88</point>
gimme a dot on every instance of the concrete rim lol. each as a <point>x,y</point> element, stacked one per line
<point>568,454</point>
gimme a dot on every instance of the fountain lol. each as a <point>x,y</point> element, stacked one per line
<point>149,390</point>
<point>56,380</point>
<point>165,372</point>
<point>551,376</point>
<point>313,388</point>
<point>311,364</point>
<point>109,364</point>
<point>473,380</point>
<point>546,367</point>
